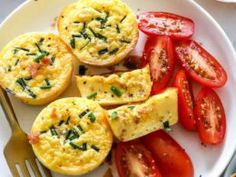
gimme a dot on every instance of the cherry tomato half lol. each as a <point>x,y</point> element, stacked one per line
<point>199,64</point>
<point>171,158</point>
<point>133,159</point>
<point>163,23</point>
<point>158,53</point>
<point>185,101</point>
<point>210,116</point>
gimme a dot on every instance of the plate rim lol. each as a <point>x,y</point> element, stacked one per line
<point>201,9</point>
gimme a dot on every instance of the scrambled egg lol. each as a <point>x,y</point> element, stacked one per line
<point>35,67</point>
<point>116,89</point>
<point>74,136</point>
<point>133,121</point>
<point>99,32</point>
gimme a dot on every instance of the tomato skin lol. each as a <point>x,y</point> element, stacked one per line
<point>199,64</point>
<point>171,158</point>
<point>158,53</point>
<point>185,101</point>
<point>166,24</point>
<point>210,116</point>
<point>142,160</point>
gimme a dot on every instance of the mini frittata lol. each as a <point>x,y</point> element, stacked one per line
<point>71,136</point>
<point>36,67</point>
<point>100,33</point>
<point>116,89</point>
<point>133,121</point>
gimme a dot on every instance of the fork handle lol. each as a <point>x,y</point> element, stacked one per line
<point>8,110</point>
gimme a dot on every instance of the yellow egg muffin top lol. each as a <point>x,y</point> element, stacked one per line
<point>74,136</point>
<point>35,67</point>
<point>99,32</point>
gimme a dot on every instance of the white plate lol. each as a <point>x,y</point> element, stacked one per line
<point>208,161</point>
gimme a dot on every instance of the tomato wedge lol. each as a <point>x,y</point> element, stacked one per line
<point>171,158</point>
<point>210,115</point>
<point>133,159</point>
<point>158,53</point>
<point>199,64</point>
<point>163,23</point>
<point>185,101</point>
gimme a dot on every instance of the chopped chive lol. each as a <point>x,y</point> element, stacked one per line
<point>28,78</point>
<point>74,146</point>
<point>117,29</point>
<point>39,57</point>
<point>76,22</point>
<point>22,83</point>
<point>9,68</point>
<point>84,28</point>
<point>20,48</point>
<point>31,93</point>
<point>39,49</point>
<point>53,59</point>
<point>44,131</point>
<point>91,96</point>
<point>82,114</point>
<point>71,135</point>
<point>91,117</point>
<point>31,54</point>
<point>82,70</point>
<point>125,41</point>
<point>46,87</point>
<point>83,147</point>
<point>114,51</point>
<point>123,19</point>
<point>61,122</point>
<point>80,128</point>
<point>9,91</point>
<point>68,120</point>
<point>103,20</point>
<point>53,131</point>
<point>76,36</point>
<point>99,36</point>
<point>116,91</point>
<point>16,63</point>
<point>95,34</point>
<point>47,82</point>
<point>131,107</point>
<point>72,43</point>
<point>102,51</point>
<point>95,148</point>
<point>114,115</point>
<point>41,41</point>
<point>166,126</point>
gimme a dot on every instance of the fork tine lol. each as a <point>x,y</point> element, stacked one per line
<point>46,172</point>
<point>24,170</point>
<point>13,169</point>
<point>35,168</point>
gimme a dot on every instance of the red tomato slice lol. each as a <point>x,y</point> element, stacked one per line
<point>171,158</point>
<point>133,159</point>
<point>199,64</point>
<point>163,23</point>
<point>210,115</point>
<point>185,101</point>
<point>158,52</point>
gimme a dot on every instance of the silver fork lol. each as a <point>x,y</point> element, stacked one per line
<point>18,151</point>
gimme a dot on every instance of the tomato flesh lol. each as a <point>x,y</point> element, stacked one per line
<point>185,101</point>
<point>158,53</point>
<point>168,24</point>
<point>134,160</point>
<point>199,64</point>
<point>210,115</point>
<point>171,158</point>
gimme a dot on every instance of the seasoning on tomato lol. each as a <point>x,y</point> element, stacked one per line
<point>134,159</point>
<point>185,101</point>
<point>210,116</point>
<point>163,23</point>
<point>158,53</point>
<point>171,158</point>
<point>200,64</point>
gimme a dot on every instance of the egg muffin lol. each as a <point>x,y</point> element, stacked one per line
<point>116,89</point>
<point>100,32</point>
<point>36,67</point>
<point>73,136</point>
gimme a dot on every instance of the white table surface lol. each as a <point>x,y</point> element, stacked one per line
<point>225,14</point>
